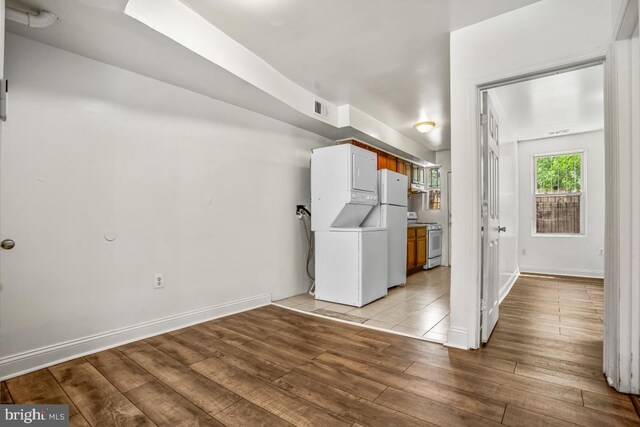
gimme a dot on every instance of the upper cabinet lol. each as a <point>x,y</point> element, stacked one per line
<point>392,163</point>
<point>417,175</point>
<point>382,160</point>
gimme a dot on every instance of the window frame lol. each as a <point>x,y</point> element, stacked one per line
<point>583,193</point>
<point>426,206</point>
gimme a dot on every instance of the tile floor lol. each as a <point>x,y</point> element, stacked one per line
<point>419,308</point>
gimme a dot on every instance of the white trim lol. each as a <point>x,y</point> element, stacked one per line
<point>457,338</point>
<point>622,297</point>
<point>564,134</point>
<point>577,272</point>
<point>506,288</point>
<point>625,20</point>
<point>32,360</point>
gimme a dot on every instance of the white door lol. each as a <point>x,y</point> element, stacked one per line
<point>365,174</point>
<point>393,188</point>
<point>490,220</point>
<point>395,219</point>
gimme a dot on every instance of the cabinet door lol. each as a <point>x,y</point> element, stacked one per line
<point>411,253</point>
<point>359,144</point>
<point>400,166</point>
<point>407,172</point>
<point>421,251</point>
<point>364,176</point>
<point>382,160</point>
<point>392,163</point>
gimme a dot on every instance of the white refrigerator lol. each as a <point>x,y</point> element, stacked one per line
<point>391,213</point>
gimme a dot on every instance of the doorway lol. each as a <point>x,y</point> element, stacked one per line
<point>543,167</point>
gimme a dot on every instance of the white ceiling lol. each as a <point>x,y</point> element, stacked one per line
<point>389,58</point>
<point>565,103</point>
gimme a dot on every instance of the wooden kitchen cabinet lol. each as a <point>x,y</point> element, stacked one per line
<point>392,163</point>
<point>416,249</point>
<point>405,169</point>
<point>400,166</point>
<point>411,253</point>
<point>421,251</point>
<point>360,144</point>
<point>382,160</point>
<point>411,248</point>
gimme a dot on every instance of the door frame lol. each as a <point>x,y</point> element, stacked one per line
<point>620,353</point>
<point>449,223</point>
<point>605,56</point>
<point>598,59</point>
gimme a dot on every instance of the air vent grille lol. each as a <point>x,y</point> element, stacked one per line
<point>320,109</point>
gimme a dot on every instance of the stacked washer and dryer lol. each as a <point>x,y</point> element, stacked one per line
<point>358,255</point>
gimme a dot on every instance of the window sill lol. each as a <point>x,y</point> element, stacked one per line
<point>582,235</point>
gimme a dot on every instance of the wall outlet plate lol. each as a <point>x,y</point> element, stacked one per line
<point>158,281</point>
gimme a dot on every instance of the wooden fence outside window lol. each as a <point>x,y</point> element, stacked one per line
<point>558,213</point>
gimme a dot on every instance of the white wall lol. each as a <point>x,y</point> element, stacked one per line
<point>516,43</point>
<point>575,256</point>
<point>418,203</point>
<point>197,189</point>
<point>509,211</point>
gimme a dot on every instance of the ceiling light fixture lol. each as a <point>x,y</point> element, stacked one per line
<point>424,127</point>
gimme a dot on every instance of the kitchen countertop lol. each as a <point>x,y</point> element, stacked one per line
<point>416,225</point>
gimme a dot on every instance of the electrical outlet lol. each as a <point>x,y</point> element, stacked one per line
<point>524,252</point>
<point>601,251</point>
<point>158,281</point>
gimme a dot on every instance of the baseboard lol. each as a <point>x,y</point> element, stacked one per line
<point>506,288</point>
<point>562,271</point>
<point>32,360</point>
<point>458,338</point>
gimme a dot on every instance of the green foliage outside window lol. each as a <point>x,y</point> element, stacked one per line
<point>559,174</point>
<point>433,177</point>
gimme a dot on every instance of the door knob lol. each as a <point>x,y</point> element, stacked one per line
<point>7,244</point>
<point>502,229</point>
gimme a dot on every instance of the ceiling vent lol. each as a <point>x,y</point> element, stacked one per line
<point>320,109</point>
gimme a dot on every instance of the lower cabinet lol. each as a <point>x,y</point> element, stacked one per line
<point>411,252</point>
<point>416,248</point>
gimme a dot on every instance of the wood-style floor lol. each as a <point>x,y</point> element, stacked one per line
<point>273,367</point>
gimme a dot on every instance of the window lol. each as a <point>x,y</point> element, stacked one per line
<point>434,199</point>
<point>434,194</point>
<point>559,194</point>
<point>433,177</point>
